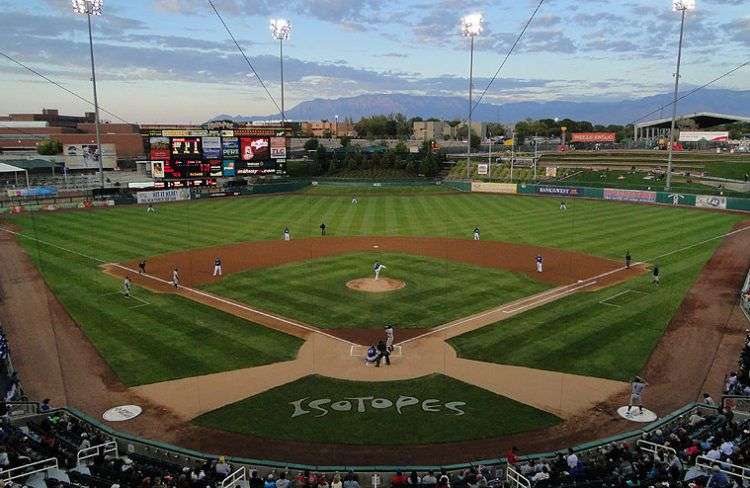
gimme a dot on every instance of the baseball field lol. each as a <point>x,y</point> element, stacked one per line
<point>485,346</point>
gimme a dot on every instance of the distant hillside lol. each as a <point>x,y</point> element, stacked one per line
<point>613,112</point>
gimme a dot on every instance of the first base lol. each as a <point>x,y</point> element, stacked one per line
<point>636,415</point>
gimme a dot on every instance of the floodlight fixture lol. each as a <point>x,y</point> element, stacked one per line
<point>471,25</point>
<point>683,5</point>
<point>88,7</point>
<point>280,29</point>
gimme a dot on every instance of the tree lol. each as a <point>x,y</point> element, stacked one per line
<point>49,147</point>
<point>312,144</point>
<point>475,140</point>
<point>401,150</point>
<point>345,141</point>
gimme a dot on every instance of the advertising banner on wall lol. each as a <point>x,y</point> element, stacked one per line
<point>550,171</point>
<point>697,136</point>
<point>483,169</point>
<point>630,195</point>
<point>157,169</point>
<point>212,147</point>
<point>480,187</point>
<point>84,156</point>
<point>162,196</point>
<point>593,137</point>
<point>711,201</point>
<point>230,148</point>
<point>228,167</point>
<point>278,147</point>
<point>559,190</point>
<point>255,149</point>
<point>160,149</point>
<point>216,167</point>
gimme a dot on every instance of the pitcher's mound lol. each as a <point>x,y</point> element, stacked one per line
<point>371,285</point>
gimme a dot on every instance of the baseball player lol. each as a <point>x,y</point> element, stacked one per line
<point>628,259</point>
<point>217,266</point>
<point>655,275</point>
<point>287,236</point>
<point>127,286</point>
<point>354,200</point>
<point>142,266</point>
<point>389,337</point>
<point>476,233</point>
<point>382,353</point>
<point>636,392</point>
<point>175,278</point>
<point>377,268</point>
<point>150,208</point>
<point>539,263</point>
<point>322,228</point>
<point>563,206</point>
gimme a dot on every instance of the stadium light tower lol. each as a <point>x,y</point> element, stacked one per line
<point>89,8</point>
<point>280,29</point>
<point>471,26</point>
<point>681,6</point>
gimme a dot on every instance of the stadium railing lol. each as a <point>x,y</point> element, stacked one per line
<point>654,448</point>
<point>235,479</point>
<point>515,479</point>
<point>740,472</point>
<point>106,448</point>
<point>28,469</point>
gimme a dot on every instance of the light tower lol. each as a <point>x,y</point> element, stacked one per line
<point>89,8</point>
<point>681,6</point>
<point>471,26</point>
<point>280,29</point>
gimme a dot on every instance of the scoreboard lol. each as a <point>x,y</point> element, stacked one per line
<point>204,154</point>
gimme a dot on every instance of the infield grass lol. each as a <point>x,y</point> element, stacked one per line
<point>437,291</point>
<point>486,414</point>
<point>174,338</point>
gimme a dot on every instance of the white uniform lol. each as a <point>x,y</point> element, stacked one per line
<point>377,268</point>
<point>126,287</point>
<point>287,237</point>
<point>563,206</point>
<point>175,278</point>
<point>539,264</point>
<point>355,201</point>
<point>150,208</point>
<point>476,235</point>
<point>217,267</point>
<point>636,391</point>
<point>389,338</point>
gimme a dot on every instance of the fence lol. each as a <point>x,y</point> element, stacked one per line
<point>28,469</point>
<point>733,470</point>
<point>515,479</point>
<point>235,479</point>
<point>100,449</point>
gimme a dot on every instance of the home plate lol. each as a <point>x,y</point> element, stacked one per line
<point>635,414</point>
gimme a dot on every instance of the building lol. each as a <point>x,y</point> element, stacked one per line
<point>327,129</point>
<point>23,132</point>
<point>655,129</point>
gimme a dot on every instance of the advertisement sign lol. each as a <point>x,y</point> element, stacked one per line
<point>278,147</point>
<point>186,147</point>
<point>696,136</point>
<point>483,169</point>
<point>227,167</point>
<point>255,149</point>
<point>162,196</point>
<point>480,187</point>
<point>593,137</point>
<point>551,171</point>
<point>216,169</point>
<point>84,156</point>
<point>34,191</point>
<point>212,147</point>
<point>160,149</point>
<point>157,169</point>
<point>261,131</point>
<point>711,201</point>
<point>559,190</point>
<point>184,133</point>
<point>230,148</point>
<point>630,195</point>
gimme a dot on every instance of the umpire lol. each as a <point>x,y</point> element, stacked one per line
<point>383,352</point>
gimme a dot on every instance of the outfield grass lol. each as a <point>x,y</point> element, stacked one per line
<point>486,415</point>
<point>437,291</point>
<point>178,328</point>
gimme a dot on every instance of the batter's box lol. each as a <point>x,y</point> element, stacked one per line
<point>622,299</point>
<point>118,298</point>
<point>361,351</point>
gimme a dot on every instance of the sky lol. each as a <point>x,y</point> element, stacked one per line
<point>172,61</point>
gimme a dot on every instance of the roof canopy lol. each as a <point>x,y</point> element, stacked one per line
<point>703,119</point>
<point>6,168</point>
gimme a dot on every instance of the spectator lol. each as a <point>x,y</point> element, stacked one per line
<point>398,479</point>
<point>414,479</point>
<point>336,482</point>
<point>270,482</point>
<point>282,482</point>
<point>255,481</point>
<point>44,407</point>
<point>512,456</point>
<point>571,460</point>
<point>717,479</point>
<point>429,480</point>
<point>222,468</point>
<point>708,400</point>
<point>351,482</point>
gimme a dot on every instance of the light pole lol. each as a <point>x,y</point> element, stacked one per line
<point>681,6</point>
<point>280,29</point>
<point>89,8</point>
<point>471,26</point>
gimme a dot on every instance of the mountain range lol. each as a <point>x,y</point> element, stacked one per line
<point>450,108</point>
